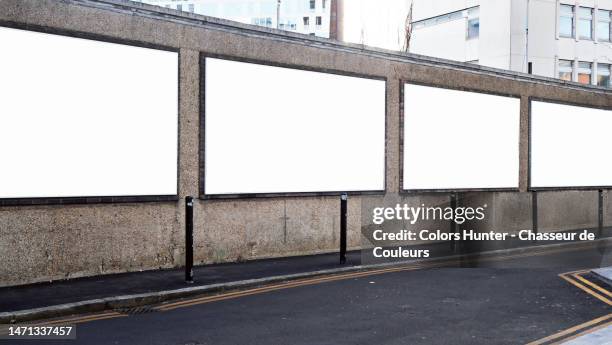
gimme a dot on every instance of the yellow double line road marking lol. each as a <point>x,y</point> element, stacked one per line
<point>318,280</point>
<point>587,286</point>
<point>312,281</point>
<point>575,278</point>
<point>70,320</point>
<point>571,330</point>
<point>590,330</point>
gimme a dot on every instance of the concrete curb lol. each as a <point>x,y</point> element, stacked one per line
<point>604,274</point>
<point>130,301</point>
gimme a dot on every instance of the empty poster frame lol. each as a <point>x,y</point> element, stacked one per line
<point>449,151</point>
<point>319,132</point>
<point>81,140</point>
<point>568,146</point>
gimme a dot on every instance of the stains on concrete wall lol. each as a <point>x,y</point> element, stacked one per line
<point>41,243</point>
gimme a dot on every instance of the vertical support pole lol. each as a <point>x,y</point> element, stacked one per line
<point>600,213</point>
<point>534,211</point>
<point>343,215</point>
<point>453,225</point>
<point>189,239</point>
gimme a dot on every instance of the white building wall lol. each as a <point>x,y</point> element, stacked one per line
<point>495,34</point>
<point>431,8</point>
<point>373,22</point>
<point>455,47</point>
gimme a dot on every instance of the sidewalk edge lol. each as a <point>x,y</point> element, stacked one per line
<point>128,301</point>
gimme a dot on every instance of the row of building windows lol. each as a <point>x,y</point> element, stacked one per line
<point>190,7</point>
<point>313,4</point>
<point>318,20</point>
<point>584,72</point>
<point>578,22</point>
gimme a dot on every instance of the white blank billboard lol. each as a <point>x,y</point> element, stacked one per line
<point>459,140</point>
<point>570,146</point>
<point>86,118</point>
<point>279,130</point>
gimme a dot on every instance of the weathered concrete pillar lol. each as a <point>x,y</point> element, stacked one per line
<point>392,136</point>
<point>524,146</point>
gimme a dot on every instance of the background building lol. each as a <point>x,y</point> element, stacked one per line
<point>311,17</point>
<point>565,39</point>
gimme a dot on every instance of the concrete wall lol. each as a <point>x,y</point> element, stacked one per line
<point>46,242</point>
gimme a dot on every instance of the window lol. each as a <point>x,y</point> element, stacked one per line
<point>323,3</point>
<point>312,4</point>
<point>179,7</point>
<point>306,21</point>
<point>473,30</point>
<point>566,69</point>
<point>585,23</point>
<point>584,72</point>
<point>603,74</point>
<point>319,21</point>
<point>603,26</point>
<point>566,21</point>
<point>191,8</point>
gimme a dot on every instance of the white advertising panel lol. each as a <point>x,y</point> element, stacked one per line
<point>459,140</point>
<point>279,130</point>
<point>81,117</point>
<point>570,146</point>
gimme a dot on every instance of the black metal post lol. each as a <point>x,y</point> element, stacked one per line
<point>534,211</point>
<point>343,214</point>
<point>600,220</point>
<point>189,239</point>
<point>453,224</point>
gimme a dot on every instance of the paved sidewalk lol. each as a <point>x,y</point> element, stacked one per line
<point>97,287</point>
<point>602,336</point>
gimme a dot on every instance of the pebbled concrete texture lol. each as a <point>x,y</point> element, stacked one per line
<point>564,210</point>
<point>41,243</point>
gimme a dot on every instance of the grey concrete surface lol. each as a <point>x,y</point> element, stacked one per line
<point>42,243</point>
<point>604,273</point>
<point>601,336</point>
<point>564,210</point>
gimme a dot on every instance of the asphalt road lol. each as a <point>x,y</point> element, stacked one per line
<point>507,302</point>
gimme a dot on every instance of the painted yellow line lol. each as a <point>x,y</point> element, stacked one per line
<point>75,320</point>
<point>586,289</point>
<point>571,330</point>
<point>312,281</point>
<point>275,287</point>
<point>591,330</point>
<point>81,319</point>
<point>593,285</point>
<point>578,272</point>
